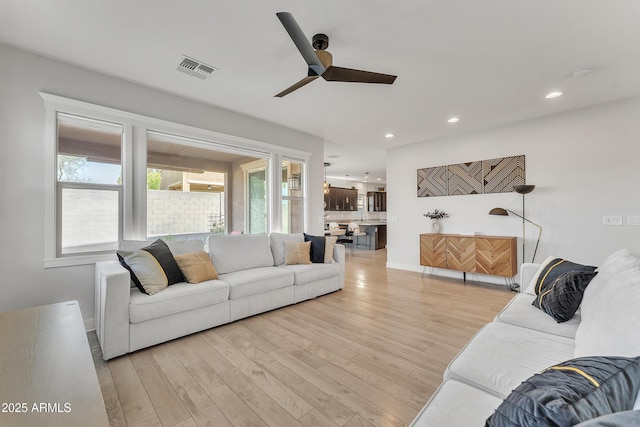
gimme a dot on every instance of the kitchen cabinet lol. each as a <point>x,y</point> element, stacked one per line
<point>376,201</point>
<point>494,255</point>
<point>341,199</point>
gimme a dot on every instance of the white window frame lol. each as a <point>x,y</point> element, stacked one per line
<point>304,188</point>
<point>134,162</point>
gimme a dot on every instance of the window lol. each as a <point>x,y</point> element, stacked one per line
<point>186,194</point>
<point>292,197</point>
<point>89,189</point>
<point>115,175</point>
<point>256,190</point>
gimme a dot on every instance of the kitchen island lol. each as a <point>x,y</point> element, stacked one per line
<point>376,231</point>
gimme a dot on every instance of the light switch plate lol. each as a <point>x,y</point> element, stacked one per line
<point>612,220</point>
<point>633,220</point>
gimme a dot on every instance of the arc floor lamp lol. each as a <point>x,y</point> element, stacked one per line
<point>521,189</point>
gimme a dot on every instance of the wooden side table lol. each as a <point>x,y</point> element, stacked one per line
<point>47,373</point>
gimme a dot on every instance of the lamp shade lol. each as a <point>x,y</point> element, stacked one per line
<point>523,189</point>
<point>498,211</point>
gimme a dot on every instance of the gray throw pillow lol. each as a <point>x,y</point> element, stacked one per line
<point>562,299</point>
<point>571,392</point>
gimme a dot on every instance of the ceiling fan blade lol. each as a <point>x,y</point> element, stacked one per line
<point>300,40</point>
<point>341,74</point>
<point>296,86</point>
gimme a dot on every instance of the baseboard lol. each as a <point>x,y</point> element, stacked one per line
<point>451,274</point>
<point>407,267</point>
<point>89,325</point>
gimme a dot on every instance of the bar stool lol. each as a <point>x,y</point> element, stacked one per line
<point>355,230</point>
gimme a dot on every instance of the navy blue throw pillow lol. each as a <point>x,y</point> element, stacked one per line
<point>317,247</point>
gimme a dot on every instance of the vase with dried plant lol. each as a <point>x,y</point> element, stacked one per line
<point>435,217</point>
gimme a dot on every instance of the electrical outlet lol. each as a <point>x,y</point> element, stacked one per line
<point>612,220</point>
<point>633,220</point>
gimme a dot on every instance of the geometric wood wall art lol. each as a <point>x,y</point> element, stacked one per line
<point>479,177</point>
<point>500,175</point>
<point>432,181</point>
<point>465,178</point>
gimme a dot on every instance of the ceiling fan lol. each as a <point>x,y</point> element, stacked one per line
<point>320,61</point>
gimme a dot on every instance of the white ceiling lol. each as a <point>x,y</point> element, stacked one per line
<point>488,62</point>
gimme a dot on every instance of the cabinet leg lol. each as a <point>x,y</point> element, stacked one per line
<point>464,276</point>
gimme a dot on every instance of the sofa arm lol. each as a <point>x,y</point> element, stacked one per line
<point>339,257</point>
<point>113,284</point>
<point>527,271</point>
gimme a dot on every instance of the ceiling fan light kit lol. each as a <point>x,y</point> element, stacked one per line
<point>320,62</point>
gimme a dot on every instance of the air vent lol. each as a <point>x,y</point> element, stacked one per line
<point>195,68</point>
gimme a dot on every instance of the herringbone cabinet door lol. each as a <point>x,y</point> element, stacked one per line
<point>461,253</point>
<point>496,256</point>
<point>433,250</point>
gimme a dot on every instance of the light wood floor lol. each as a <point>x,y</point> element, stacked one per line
<point>370,354</point>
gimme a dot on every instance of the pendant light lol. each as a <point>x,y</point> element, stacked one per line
<point>326,186</point>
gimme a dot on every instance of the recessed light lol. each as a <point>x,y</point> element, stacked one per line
<point>582,73</point>
<point>453,120</point>
<point>379,179</point>
<point>553,95</point>
<point>389,135</point>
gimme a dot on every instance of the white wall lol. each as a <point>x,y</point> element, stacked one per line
<point>23,280</point>
<point>585,164</point>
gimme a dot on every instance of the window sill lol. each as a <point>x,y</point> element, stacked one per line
<point>71,261</point>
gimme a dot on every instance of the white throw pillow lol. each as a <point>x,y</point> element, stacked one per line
<point>611,327</point>
<point>615,263</point>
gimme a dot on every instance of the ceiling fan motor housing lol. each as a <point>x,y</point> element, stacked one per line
<point>320,41</point>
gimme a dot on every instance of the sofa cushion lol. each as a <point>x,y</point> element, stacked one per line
<point>501,356</point>
<point>277,244</point>
<point>571,392</point>
<point>231,253</point>
<point>520,312</point>
<point>177,298</point>
<point>550,269</point>
<point>456,404</point>
<point>297,253</point>
<point>562,299</point>
<point>256,280</point>
<point>303,274</point>
<point>615,263</point>
<point>196,267</point>
<point>617,311</point>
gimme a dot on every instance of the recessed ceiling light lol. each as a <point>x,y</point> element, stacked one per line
<point>553,95</point>
<point>379,179</point>
<point>582,73</point>
<point>453,120</point>
<point>389,135</point>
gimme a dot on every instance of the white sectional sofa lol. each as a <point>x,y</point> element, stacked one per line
<point>252,278</point>
<point>523,341</point>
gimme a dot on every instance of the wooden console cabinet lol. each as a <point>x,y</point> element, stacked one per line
<point>48,375</point>
<point>494,255</point>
